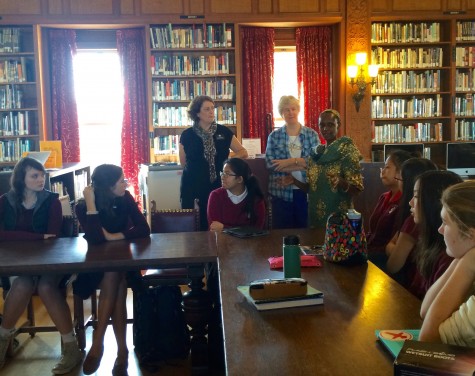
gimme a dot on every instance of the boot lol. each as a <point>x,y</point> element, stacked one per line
<point>71,356</point>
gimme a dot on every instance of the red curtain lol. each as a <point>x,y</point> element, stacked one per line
<point>257,46</point>
<point>314,46</point>
<point>65,125</point>
<point>135,133</point>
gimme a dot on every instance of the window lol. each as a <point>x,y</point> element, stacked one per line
<point>285,80</point>
<point>99,96</point>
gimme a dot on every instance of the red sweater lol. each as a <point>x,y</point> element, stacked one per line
<point>222,209</point>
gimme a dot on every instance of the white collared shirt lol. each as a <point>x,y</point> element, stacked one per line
<point>237,199</point>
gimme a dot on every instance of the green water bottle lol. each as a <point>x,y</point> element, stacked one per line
<point>291,256</point>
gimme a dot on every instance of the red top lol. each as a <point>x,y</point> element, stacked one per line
<point>222,209</point>
<point>24,222</point>
<point>381,222</point>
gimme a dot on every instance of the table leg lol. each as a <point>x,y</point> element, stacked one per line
<point>197,306</point>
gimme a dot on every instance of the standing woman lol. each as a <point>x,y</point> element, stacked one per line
<point>108,212</point>
<point>29,212</point>
<point>334,172</point>
<point>287,150</point>
<point>203,149</point>
<point>239,202</point>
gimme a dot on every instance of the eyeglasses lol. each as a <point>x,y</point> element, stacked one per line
<point>226,174</point>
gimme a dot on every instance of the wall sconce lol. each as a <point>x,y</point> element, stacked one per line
<point>357,77</point>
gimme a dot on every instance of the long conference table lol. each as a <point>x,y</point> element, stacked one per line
<point>335,338</point>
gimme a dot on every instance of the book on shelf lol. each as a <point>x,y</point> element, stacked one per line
<point>393,340</point>
<point>313,297</point>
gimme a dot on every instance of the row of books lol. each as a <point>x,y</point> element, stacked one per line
<point>465,30</point>
<point>11,97</point>
<point>59,187</point>
<point>463,106</point>
<point>464,56</point>
<point>188,89</point>
<point>409,32</point>
<point>10,39</point>
<point>465,80</point>
<point>382,108</point>
<point>15,123</point>
<point>178,116</point>
<point>422,57</point>
<point>192,36</point>
<point>417,132</point>
<point>166,144</point>
<point>12,150</point>
<point>184,65</point>
<point>80,182</point>
<point>407,82</point>
<point>465,130</point>
<point>13,70</point>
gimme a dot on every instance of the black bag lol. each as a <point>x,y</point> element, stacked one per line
<point>159,331</point>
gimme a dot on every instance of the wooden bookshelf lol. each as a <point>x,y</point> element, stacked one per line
<point>424,91</point>
<point>187,60</point>
<point>19,119</point>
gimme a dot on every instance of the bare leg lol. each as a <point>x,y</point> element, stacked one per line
<point>55,302</point>
<point>17,299</point>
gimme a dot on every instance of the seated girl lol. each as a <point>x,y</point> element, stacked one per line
<point>430,257</point>
<point>108,212</point>
<point>402,244</point>
<point>239,202</point>
<point>29,212</point>
<point>382,220</point>
<point>449,305</point>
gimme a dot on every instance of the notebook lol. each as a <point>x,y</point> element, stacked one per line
<point>245,231</point>
<point>393,340</point>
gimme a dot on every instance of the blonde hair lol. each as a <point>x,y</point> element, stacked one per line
<point>459,202</point>
<point>287,100</point>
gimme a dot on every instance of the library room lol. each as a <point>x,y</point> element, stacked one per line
<point>160,161</point>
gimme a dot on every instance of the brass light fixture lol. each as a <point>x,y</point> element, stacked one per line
<point>356,74</point>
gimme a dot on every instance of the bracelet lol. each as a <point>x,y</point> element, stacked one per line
<point>92,212</point>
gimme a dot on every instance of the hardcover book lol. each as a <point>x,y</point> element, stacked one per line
<point>313,297</point>
<point>245,231</point>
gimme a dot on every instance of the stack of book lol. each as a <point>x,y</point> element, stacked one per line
<point>313,297</point>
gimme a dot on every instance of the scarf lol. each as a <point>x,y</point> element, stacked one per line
<point>208,146</point>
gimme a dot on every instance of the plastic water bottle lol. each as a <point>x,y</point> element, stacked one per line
<point>355,219</point>
<point>291,256</point>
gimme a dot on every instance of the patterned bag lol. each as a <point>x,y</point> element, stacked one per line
<point>342,243</point>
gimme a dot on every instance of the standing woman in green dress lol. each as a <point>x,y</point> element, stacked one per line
<point>333,172</point>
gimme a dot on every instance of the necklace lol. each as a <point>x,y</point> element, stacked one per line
<point>294,144</point>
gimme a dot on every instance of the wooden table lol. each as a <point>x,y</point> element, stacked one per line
<point>336,338</point>
<point>74,255</point>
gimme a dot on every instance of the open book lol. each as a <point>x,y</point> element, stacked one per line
<point>393,340</point>
<point>313,297</point>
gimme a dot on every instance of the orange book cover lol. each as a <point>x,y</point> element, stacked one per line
<point>55,160</point>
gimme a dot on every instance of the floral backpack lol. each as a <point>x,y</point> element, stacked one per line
<point>344,244</point>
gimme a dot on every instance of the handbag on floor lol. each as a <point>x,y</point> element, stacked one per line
<point>159,331</point>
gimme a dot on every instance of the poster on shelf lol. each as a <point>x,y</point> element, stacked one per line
<point>55,160</point>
